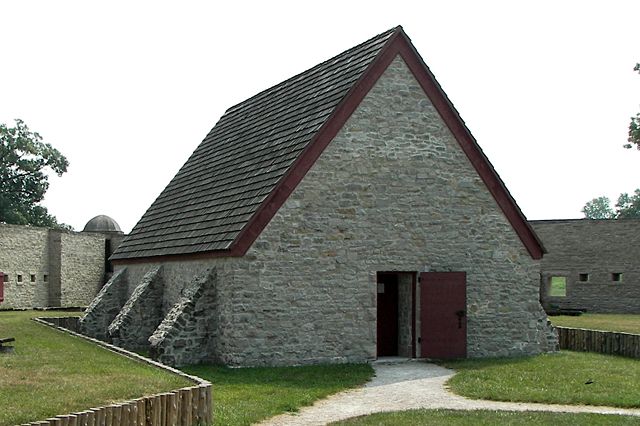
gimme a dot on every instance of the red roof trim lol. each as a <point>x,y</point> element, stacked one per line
<point>398,44</point>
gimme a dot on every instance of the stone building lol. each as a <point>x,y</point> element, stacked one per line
<point>342,215</point>
<point>593,265</point>
<point>56,268</point>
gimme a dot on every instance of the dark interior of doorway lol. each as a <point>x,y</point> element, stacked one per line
<point>387,328</point>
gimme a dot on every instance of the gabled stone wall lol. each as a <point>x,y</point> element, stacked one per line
<point>392,192</point>
<point>595,249</point>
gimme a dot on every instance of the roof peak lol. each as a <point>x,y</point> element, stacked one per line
<point>386,35</point>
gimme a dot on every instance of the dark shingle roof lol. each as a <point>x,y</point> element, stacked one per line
<point>242,159</point>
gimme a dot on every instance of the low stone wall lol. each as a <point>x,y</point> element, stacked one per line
<point>68,323</point>
<point>185,406</point>
<point>141,314</point>
<point>105,307</point>
<point>604,342</point>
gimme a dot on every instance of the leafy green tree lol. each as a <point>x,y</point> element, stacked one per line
<point>598,208</point>
<point>23,181</point>
<point>634,125</point>
<point>628,206</point>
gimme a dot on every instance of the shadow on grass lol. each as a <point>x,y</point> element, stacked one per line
<point>303,376</point>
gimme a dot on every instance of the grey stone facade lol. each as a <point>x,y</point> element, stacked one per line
<point>191,323</point>
<point>588,253</point>
<point>405,283</point>
<point>24,251</point>
<point>82,267</point>
<point>392,192</point>
<point>48,267</point>
<point>52,267</point>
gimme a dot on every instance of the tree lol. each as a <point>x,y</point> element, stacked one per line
<point>628,206</point>
<point>598,208</point>
<point>634,125</point>
<point>23,182</point>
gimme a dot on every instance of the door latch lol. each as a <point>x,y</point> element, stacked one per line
<point>460,314</point>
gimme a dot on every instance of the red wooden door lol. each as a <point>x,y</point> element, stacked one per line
<point>1,287</point>
<point>443,319</point>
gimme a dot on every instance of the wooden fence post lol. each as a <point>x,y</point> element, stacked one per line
<point>202,403</point>
<point>142,411</point>
<point>185,397</point>
<point>172,406</point>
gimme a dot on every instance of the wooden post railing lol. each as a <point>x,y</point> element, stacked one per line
<point>186,406</point>
<point>604,342</point>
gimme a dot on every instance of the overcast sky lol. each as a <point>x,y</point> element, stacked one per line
<point>128,89</point>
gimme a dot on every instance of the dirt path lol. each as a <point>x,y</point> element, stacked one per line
<point>408,385</point>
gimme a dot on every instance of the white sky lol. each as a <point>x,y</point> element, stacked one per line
<point>128,89</point>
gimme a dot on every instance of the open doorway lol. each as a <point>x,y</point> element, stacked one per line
<point>396,314</point>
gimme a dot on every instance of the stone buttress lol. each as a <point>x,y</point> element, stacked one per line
<point>137,314</point>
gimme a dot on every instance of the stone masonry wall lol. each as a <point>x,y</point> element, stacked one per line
<point>105,306</point>
<point>141,314</point>
<point>24,251</point>
<point>57,268</point>
<point>176,276</point>
<point>598,248</point>
<point>188,333</point>
<point>82,267</point>
<point>392,192</point>
<point>405,287</point>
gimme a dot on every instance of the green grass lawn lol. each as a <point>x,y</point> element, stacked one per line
<point>606,322</point>
<point>558,378</point>
<point>558,287</point>
<point>52,373</point>
<point>488,418</point>
<point>243,396</point>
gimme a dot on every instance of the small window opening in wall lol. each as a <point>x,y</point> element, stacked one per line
<point>558,287</point>
<point>583,278</point>
<point>19,278</point>
<point>45,278</point>
<point>616,276</point>
<point>6,278</point>
<point>33,278</point>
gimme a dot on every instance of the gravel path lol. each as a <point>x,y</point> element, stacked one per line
<point>407,385</point>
